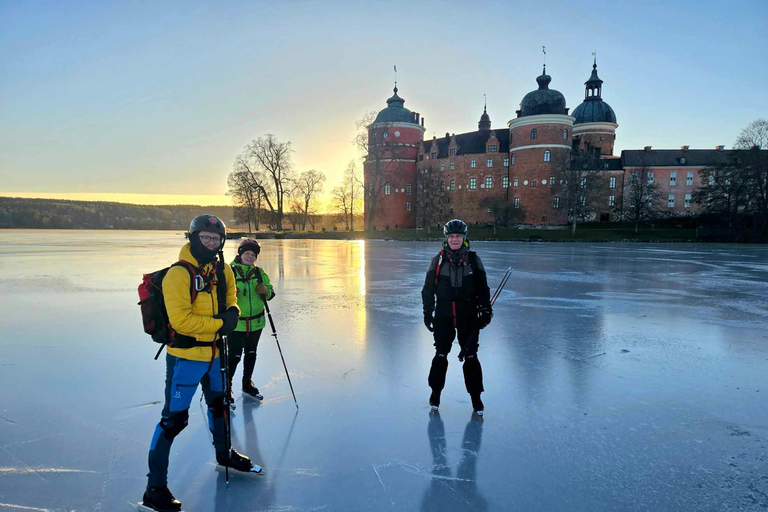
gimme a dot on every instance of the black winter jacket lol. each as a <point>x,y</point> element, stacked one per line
<point>462,280</point>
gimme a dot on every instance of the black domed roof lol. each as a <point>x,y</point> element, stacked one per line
<point>395,112</point>
<point>485,121</point>
<point>594,111</point>
<point>543,100</point>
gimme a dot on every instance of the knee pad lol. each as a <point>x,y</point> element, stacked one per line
<point>237,357</point>
<point>218,407</point>
<point>436,379</point>
<point>173,425</point>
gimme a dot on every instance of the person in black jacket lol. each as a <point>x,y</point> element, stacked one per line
<point>457,277</point>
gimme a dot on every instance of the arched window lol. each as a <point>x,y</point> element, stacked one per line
<point>547,156</point>
<point>534,133</point>
<point>565,134</point>
<point>387,189</point>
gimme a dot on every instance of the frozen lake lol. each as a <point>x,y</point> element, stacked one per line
<point>617,377</point>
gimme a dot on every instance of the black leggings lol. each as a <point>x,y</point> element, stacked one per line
<point>239,341</point>
<point>444,335</point>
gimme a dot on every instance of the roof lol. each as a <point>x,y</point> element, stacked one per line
<point>395,112</point>
<point>543,100</point>
<point>671,157</point>
<point>470,143</point>
<point>594,110</point>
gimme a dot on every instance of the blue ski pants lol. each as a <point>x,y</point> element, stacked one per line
<point>182,377</point>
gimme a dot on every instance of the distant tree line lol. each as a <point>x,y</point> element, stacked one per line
<point>61,214</point>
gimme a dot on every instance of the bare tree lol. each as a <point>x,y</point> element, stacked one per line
<point>244,196</point>
<point>308,187</point>
<point>502,213</point>
<point>341,202</point>
<point>381,154</point>
<point>725,191</point>
<point>268,163</point>
<point>353,183</point>
<point>754,162</point>
<point>431,197</point>
<point>643,199</point>
<point>580,183</point>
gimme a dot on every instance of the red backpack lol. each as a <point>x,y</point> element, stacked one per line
<point>154,316</point>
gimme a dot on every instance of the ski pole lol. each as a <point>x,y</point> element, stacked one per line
<point>501,286</point>
<point>274,333</point>
<point>224,366</point>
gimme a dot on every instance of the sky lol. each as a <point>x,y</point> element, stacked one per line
<point>150,102</point>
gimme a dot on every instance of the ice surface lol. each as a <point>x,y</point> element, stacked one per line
<point>618,377</point>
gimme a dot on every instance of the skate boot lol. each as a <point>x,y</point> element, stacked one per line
<point>161,500</point>
<point>238,462</point>
<point>477,405</point>
<point>251,390</point>
<point>434,400</point>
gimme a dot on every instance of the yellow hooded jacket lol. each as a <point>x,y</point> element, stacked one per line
<point>195,319</point>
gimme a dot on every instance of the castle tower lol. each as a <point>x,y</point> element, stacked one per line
<point>595,123</point>
<point>390,166</point>
<point>539,145</point>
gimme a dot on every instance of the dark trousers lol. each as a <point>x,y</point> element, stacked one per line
<point>240,342</point>
<point>444,334</point>
<point>182,377</point>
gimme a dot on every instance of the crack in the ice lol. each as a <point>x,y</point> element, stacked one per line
<point>347,373</point>
<point>382,484</point>
<point>30,468</point>
<point>21,507</point>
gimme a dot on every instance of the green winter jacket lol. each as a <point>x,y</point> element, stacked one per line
<point>249,302</point>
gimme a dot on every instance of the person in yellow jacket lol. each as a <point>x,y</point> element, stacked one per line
<point>193,355</point>
<point>253,290</point>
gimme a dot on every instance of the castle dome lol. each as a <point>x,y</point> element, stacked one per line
<point>593,109</point>
<point>543,100</point>
<point>395,112</point>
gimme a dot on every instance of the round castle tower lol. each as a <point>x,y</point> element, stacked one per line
<point>595,124</point>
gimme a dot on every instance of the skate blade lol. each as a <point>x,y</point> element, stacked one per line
<point>255,470</point>
<point>257,397</point>
<point>479,413</point>
<point>232,406</point>
<point>144,508</point>
<point>433,408</point>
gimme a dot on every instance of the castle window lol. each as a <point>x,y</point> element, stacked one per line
<point>473,163</point>
<point>583,200</point>
<point>452,151</point>
<point>533,183</point>
<point>421,158</point>
<point>442,167</point>
<point>453,166</point>
<point>687,200</point>
<point>671,201</point>
<point>512,159</point>
<point>547,156</point>
<point>505,182</point>
<point>517,202</point>
<point>489,162</point>
<point>506,162</point>
<point>453,185</point>
<point>488,182</point>
<point>583,182</point>
<point>493,148</point>
<point>434,154</point>
<point>386,135</point>
<point>472,183</point>
<point>612,182</point>
<point>650,177</point>
<point>387,189</point>
<point>408,190</point>
<point>682,160</point>
<point>515,182</point>
<point>442,185</point>
<point>672,178</point>
<point>611,200</point>
<point>408,206</point>
<point>689,178</point>
<point>557,203</point>
<point>534,134</point>
<point>565,134</point>
<point>487,210</point>
<point>552,180</point>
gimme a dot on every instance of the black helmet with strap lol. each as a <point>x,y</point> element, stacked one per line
<point>455,226</point>
<point>208,223</point>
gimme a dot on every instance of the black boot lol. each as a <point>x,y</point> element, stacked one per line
<point>251,390</point>
<point>434,400</point>
<point>477,405</point>
<point>161,499</point>
<point>238,462</point>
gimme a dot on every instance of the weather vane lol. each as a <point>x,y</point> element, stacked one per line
<point>594,54</point>
<point>544,51</point>
<point>395,75</point>
<point>485,102</point>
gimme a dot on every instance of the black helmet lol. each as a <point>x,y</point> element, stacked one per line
<point>455,226</point>
<point>208,223</point>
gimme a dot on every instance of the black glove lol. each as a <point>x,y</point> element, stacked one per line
<point>429,321</point>
<point>231,316</point>
<point>484,315</point>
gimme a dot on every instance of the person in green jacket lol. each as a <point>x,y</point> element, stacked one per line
<point>253,290</point>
